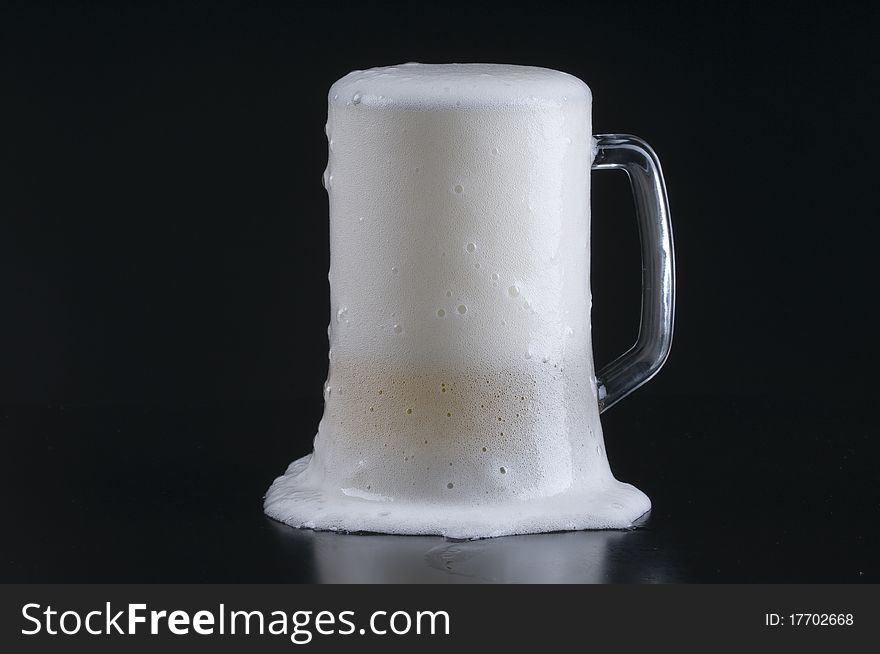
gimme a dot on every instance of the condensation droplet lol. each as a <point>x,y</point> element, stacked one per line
<point>356,98</point>
<point>458,188</point>
<point>471,247</point>
<point>462,309</point>
<point>398,329</point>
<point>448,293</point>
<point>494,277</point>
<point>450,485</point>
<point>441,313</point>
<point>513,291</point>
<point>394,270</point>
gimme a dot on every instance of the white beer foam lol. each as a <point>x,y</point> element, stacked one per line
<point>461,397</point>
<point>436,86</point>
<point>613,505</point>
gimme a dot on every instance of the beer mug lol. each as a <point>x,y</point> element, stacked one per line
<point>461,397</point>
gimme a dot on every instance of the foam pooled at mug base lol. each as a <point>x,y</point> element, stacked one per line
<point>292,501</point>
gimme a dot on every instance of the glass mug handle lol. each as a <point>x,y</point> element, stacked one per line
<point>642,361</point>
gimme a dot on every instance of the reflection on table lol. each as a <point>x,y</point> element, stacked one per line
<point>568,557</point>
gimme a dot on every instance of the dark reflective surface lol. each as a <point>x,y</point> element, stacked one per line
<point>743,490</point>
<point>569,557</point>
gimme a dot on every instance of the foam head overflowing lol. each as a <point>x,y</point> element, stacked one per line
<point>461,397</point>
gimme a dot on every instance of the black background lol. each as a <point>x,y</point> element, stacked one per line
<point>164,255</point>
